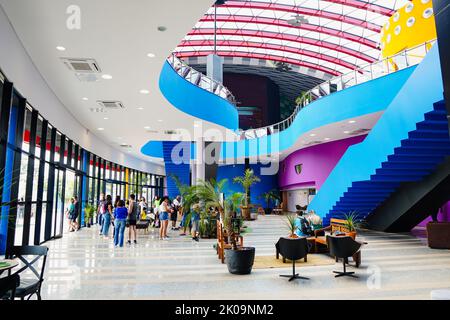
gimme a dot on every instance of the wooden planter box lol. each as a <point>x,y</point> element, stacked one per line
<point>438,235</point>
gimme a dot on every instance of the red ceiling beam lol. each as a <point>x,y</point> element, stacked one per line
<point>365,6</point>
<point>268,46</point>
<point>302,11</point>
<point>223,53</point>
<point>286,37</point>
<point>285,24</point>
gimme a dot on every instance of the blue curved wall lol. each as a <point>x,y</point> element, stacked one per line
<point>366,98</point>
<point>195,101</point>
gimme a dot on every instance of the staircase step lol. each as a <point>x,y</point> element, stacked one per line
<point>421,151</point>
<point>415,158</point>
<point>402,172</point>
<point>426,143</point>
<point>432,125</point>
<point>438,115</point>
<point>429,134</point>
<point>408,165</point>
<point>394,178</point>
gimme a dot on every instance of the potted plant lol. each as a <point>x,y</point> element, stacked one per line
<point>239,259</point>
<point>89,211</point>
<point>351,223</point>
<point>291,222</point>
<point>269,196</point>
<point>247,180</point>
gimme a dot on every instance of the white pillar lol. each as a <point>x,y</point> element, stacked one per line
<point>214,67</point>
<point>193,173</point>
<point>199,159</point>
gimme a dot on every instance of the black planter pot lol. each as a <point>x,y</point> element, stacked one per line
<point>240,261</point>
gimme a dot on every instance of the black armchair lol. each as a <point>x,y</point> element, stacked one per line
<point>8,287</point>
<point>29,286</point>
<point>343,247</point>
<point>293,249</point>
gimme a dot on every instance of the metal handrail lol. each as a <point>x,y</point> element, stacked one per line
<point>199,79</point>
<point>400,61</point>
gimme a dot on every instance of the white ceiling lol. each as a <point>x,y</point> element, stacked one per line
<point>119,35</point>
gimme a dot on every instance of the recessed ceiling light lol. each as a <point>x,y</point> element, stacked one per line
<point>346,132</point>
<point>140,108</point>
<point>146,127</point>
<point>144,91</point>
<point>160,120</point>
<point>326,139</point>
<point>85,99</point>
<point>312,135</point>
<point>151,55</point>
<point>100,129</point>
<point>352,121</point>
<point>105,118</point>
<point>60,48</point>
<point>107,76</point>
<point>119,138</point>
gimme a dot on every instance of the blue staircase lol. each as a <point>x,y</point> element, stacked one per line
<point>419,154</point>
<point>407,143</point>
<point>177,165</point>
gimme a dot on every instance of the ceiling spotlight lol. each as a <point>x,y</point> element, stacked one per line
<point>140,108</point>
<point>312,135</point>
<point>105,118</point>
<point>85,99</point>
<point>100,129</point>
<point>352,121</point>
<point>144,91</point>
<point>60,48</point>
<point>147,128</point>
<point>107,76</point>
<point>326,139</point>
<point>160,120</point>
<point>151,55</point>
<point>346,132</point>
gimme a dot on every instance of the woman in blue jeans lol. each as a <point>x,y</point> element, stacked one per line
<point>120,215</point>
<point>107,216</point>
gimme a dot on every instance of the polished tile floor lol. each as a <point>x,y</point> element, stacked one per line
<point>81,265</point>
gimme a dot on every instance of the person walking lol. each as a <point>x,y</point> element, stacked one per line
<point>76,213</point>
<point>132,218</point>
<point>120,220</point>
<point>101,210</point>
<point>176,205</point>
<point>107,216</point>
<point>195,218</point>
<point>164,211</point>
<point>70,215</point>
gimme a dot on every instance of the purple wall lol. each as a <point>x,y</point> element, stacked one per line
<point>318,162</point>
<point>444,215</point>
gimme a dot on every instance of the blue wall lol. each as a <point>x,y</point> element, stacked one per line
<point>267,182</point>
<point>196,101</point>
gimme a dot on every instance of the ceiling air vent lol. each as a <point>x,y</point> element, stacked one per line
<point>97,110</point>
<point>82,65</point>
<point>126,146</point>
<point>171,132</point>
<point>110,105</point>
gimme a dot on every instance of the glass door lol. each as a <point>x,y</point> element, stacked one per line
<point>59,203</point>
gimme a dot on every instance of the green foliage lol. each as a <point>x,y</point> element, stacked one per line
<point>89,211</point>
<point>271,195</point>
<point>290,223</point>
<point>352,221</point>
<point>247,180</point>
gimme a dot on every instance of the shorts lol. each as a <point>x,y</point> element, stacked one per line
<point>194,227</point>
<point>131,222</point>
<point>73,218</point>
<point>163,216</point>
<point>174,216</point>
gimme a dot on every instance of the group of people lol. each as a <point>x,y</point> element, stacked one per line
<point>119,215</point>
<point>307,222</point>
<point>166,210</point>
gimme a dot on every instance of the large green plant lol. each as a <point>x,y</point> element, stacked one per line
<point>291,223</point>
<point>271,195</point>
<point>247,180</point>
<point>89,211</point>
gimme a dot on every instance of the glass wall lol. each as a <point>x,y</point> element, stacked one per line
<point>41,170</point>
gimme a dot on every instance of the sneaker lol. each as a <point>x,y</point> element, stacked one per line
<point>166,238</point>
<point>135,242</point>
<point>195,239</point>
<point>129,242</point>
